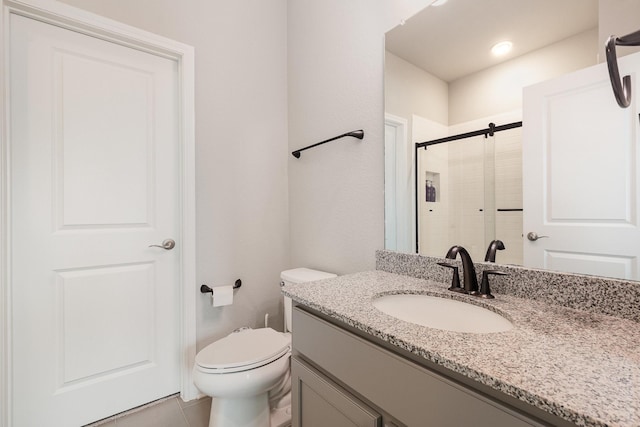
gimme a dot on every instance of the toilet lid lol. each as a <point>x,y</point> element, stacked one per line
<point>244,349</point>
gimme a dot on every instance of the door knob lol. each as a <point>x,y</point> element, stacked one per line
<point>167,244</point>
<point>533,236</point>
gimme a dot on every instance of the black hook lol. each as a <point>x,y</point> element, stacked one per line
<point>621,88</point>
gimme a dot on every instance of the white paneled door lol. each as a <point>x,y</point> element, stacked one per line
<point>94,182</point>
<point>580,174</point>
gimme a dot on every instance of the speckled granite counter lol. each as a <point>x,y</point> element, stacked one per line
<point>581,366</point>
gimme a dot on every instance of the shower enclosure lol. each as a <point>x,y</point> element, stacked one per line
<point>468,191</point>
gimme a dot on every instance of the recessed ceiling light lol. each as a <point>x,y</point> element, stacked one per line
<point>439,2</point>
<point>501,48</point>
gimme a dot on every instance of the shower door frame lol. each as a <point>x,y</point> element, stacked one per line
<point>490,130</point>
<point>78,20</point>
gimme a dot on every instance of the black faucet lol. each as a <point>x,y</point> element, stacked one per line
<point>495,245</point>
<point>469,274</point>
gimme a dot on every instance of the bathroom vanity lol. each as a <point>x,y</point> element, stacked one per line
<point>354,365</point>
<point>340,378</point>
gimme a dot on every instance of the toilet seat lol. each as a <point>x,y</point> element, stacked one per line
<point>244,350</point>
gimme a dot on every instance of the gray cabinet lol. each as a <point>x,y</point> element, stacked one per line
<point>331,365</point>
<point>319,403</point>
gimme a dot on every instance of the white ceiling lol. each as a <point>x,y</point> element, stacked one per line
<point>454,40</point>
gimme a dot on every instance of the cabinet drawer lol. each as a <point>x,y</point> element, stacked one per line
<point>412,394</point>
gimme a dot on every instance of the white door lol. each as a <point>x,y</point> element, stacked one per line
<point>94,182</point>
<point>580,174</point>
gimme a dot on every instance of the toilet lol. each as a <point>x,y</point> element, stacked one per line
<point>247,372</point>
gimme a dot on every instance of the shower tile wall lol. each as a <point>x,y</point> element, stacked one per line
<point>434,216</point>
<point>466,184</point>
<point>508,193</point>
<point>489,191</point>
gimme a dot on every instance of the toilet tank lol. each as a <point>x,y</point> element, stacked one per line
<point>298,275</point>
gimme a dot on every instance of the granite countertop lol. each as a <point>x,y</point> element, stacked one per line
<point>583,367</point>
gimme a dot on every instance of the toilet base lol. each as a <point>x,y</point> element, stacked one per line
<point>251,412</point>
<point>240,412</point>
<point>281,417</point>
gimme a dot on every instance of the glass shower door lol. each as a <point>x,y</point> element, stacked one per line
<point>470,193</point>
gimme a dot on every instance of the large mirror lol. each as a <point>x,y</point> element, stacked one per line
<point>442,80</point>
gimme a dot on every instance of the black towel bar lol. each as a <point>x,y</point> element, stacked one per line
<point>355,133</point>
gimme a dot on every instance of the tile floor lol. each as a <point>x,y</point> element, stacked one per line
<point>172,412</point>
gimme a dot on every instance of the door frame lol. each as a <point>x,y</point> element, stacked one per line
<point>403,158</point>
<point>87,23</point>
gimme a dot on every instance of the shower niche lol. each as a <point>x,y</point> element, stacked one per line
<point>431,187</point>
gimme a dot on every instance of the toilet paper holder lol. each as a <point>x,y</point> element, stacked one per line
<point>206,289</point>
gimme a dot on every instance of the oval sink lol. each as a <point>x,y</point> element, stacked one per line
<point>442,313</point>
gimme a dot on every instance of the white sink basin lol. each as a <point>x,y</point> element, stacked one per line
<point>442,313</point>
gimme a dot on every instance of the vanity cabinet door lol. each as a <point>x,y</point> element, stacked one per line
<point>317,402</point>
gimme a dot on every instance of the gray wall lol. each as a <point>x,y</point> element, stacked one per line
<point>617,18</point>
<point>498,89</point>
<point>259,210</point>
<point>335,73</point>
<point>410,90</point>
<point>241,145</point>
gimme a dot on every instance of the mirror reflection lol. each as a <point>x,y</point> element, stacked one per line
<point>470,192</point>
<point>442,79</point>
